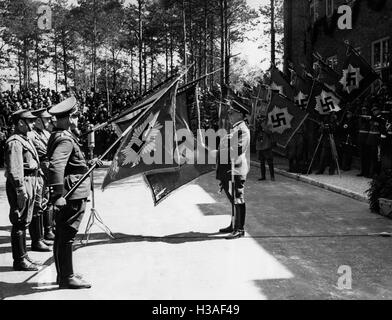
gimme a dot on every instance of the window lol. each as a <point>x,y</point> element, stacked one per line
<point>329,8</point>
<point>380,54</point>
<point>332,62</point>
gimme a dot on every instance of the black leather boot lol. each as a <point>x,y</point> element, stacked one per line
<point>48,225</point>
<point>229,228</point>
<point>18,243</point>
<point>68,280</point>
<point>237,232</point>
<point>262,171</point>
<point>37,243</point>
<point>271,170</point>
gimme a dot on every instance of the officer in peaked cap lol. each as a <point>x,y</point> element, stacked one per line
<point>234,152</point>
<point>41,227</point>
<point>22,165</point>
<point>66,166</point>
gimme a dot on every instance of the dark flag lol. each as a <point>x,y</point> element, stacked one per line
<point>150,145</point>
<point>284,118</point>
<point>358,75</point>
<point>279,84</point>
<point>195,157</point>
<point>130,115</point>
<point>327,75</point>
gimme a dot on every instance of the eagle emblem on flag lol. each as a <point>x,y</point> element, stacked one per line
<point>143,141</point>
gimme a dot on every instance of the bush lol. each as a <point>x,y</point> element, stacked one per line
<point>380,187</point>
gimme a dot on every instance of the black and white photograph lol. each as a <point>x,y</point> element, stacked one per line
<point>213,152</point>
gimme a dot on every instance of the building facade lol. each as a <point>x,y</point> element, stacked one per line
<point>311,26</point>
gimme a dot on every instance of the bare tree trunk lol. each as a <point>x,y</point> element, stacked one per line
<point>184,39</point>
<point>152,72</point>
<point>272,32</point>
<point>223,45</point>
<point>166,53</point>
<point>212,60</point>
<point>55,63</point>
<point>114,71</point>
<point>65,67</point>
<point>171,54</point>
<point>25,64</point>
<point>37,65</point>
<point>140,2</point>
<point>94,71</point>
<point>145,66</point>
<point>227,44</point>
<point>19,70</point>
<point>132,86</point>
<point>205,58</point>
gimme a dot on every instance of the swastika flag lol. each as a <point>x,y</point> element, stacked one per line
<point>358,75</point>
<point>284,118</point>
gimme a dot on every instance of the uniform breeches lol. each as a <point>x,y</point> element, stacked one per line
<point>239,188</point>
<point>68,220</point>
<point>42,196</point>
<point>21,217</point>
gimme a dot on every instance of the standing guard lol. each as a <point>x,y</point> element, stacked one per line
<point>233,162</point>
<point>42,214</point>
<point>377,132</point>
<point>66,166</point>
<point>22,165</point>
<point>363,133</point>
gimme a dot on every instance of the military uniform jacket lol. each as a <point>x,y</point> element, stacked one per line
<point>377,131</point>
<point>66,166</point>
<point>234,146</point>
<point>264,139</point>
<point>21,160</point>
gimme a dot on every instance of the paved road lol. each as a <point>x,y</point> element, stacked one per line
<point>298,236</point>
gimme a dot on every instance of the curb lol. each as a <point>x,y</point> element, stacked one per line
<point>302,178</point>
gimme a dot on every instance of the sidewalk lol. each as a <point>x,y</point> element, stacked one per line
<point>348,184</point>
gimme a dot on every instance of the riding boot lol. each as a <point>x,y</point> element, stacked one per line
<point>237,232</point>
<point>18,243</point>
<point>229,228</point>
<point>36,236</point>
<point>242,208</point>
<point>262,171</point>
<point>68,280</point>
<point>48,225</point>
<point>271,170</point>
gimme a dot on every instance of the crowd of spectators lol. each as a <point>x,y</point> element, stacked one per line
<point>93,107</point>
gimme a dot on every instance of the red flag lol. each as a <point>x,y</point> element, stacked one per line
<point>284,118</point>
<point>150,144</point>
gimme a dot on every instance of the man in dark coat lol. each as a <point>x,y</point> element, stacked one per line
<point>66,166</point>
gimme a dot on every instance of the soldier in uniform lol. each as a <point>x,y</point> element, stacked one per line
<point>234,152</point>
<point>264,145</point>
<point>377,132</point>
<point>66,166</point>
<point>363,132</point>
<point>22,165</point>
<point>42,213</point>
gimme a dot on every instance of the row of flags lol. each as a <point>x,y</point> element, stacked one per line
<point>290,101</point>
<point>151,146</point>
